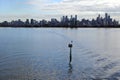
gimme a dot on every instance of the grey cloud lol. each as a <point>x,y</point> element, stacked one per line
<point>80,7</point>
<point>84,5</point>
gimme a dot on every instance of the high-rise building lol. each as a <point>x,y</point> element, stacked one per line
<point>75,17</point>
<point>27,21</point>
<point>106,19</point>
<point>75,21</point>
<point>32,21</point>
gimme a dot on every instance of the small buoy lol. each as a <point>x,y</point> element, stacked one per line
<point>70,45</point>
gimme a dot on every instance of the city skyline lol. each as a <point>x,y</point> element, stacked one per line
<point>39,9</point>
<point>65,21</point>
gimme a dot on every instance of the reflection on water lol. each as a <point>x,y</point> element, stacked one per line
<point>70,69</point>
<point>43,54</point>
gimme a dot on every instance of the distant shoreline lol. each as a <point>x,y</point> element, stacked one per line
<point>60,27</point>
<point>65,22</point>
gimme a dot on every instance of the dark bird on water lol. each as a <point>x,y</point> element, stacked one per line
<point>70,44</point>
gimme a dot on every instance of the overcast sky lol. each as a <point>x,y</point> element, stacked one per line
<point>46,9</point>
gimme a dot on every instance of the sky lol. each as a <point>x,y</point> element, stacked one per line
<point>46,9</point>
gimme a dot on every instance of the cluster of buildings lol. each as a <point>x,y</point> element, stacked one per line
<point>65,22</point>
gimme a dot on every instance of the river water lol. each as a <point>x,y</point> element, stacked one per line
<point>43,54</point>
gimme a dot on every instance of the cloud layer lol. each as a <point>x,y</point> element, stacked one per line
<point>46,9</point>
<point>76,6</point>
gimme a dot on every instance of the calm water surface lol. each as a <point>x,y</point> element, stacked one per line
<point>42,54</point>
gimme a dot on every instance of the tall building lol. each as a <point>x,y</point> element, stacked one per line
<point>75,17</point>
<point>75,20</point>
<point>106,19</point>
<point>27,21</point>
<point>32,21</point>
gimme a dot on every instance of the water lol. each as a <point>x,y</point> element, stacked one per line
<point>43,54</point>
